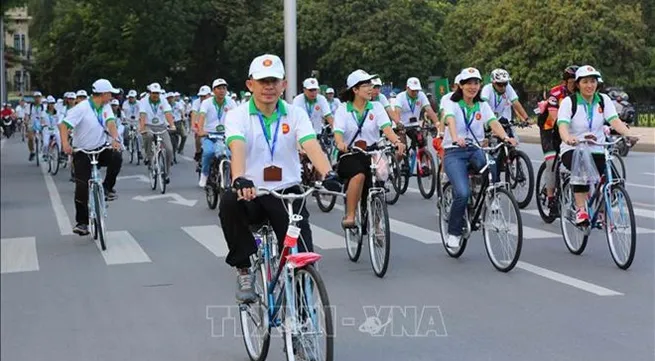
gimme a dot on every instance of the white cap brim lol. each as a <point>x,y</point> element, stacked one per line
<point>266,74</point>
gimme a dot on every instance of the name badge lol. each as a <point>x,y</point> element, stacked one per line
<point>155,120</point>
<point>360,144</point>
<point>272,174</point>
<point>220,128</point>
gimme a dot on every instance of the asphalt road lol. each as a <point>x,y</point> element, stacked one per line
<point>162,290</point>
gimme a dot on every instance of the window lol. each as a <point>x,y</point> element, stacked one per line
<point>17,78</point>
<point>17,42</point>
<point>22,44</point>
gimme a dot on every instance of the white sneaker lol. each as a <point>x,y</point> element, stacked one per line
<point>452,241</point>
<point>203,181</point>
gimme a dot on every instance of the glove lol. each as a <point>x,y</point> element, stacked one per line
<point>242,183</point>
<point>331,182</point>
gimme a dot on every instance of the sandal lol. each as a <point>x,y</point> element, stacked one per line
<point>348,225</point>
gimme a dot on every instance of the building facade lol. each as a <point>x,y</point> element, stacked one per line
<point>18,50</point>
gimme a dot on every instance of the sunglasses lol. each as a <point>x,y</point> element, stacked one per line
<point>501,85</point>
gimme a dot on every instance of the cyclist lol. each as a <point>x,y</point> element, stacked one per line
<point>501,97</point>
<point>587,121</point>
<point>81,96</point>
<point>377,96</point>
<point>335,103</point>
<point>33,114</point>
<point>466,115</point>
<point>92,122</point>
<point>359,123</point>
<point>153,111</point>
<point>212,120</point>
<point>315,104</point>
<point>203,93</point>
<point>49,121</point>
<point>178,115</point>
<point>131,115</point>
<point>120,120</point>
<point>263,135</point>
<point>409,105</point>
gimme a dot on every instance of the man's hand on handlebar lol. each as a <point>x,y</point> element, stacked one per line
<point>245,189</point>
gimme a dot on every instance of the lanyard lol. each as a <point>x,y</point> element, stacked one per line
<point>98,112</point>
<point>154,108</point>
<point>468,121</point>
<point>271,147</point>
<point>497,103</point>
<point>411,107</point>
<point>590,113</point>
<point>309,108</point>
<point>219,109</point>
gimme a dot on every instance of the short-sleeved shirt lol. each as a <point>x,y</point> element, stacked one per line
<point>501,104</point>
<point>444,99</point>
<point>555,97</point>
<point>131,110</point>
<point>177,110</point>
<point>35,112</point>
<point>215,113</point>
<point>588,119</point>
<point>291,125</point>
<point>51,120</point>
<point>478,117</point>
<point>20,112</point>
<point>382,99</point>
<point>411,108</point>
<point>85,119</point>
<point>334,105</point>
<point>374,118</point>
<point>155,112</point>
<point>316,110</point>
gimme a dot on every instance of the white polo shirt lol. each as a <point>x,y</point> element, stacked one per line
<point>334,105</point>
<point>501,104</point>
<point>177,110</point>
<point>479,116</point>
<point>588,119</point>
<point>215,113</point>
<point>20,112</point>
<point>382,99</point>
<point>411,108</point>
<point>131,110</point>
<point>195,105</point>
<point>293,127</point>
<point>444,99</point>
<point>85,120</point>
<point>347,120</point>
<point>34,112</point>
<point>51,120</point>
<point>155,112</point>
<point>316,110</point>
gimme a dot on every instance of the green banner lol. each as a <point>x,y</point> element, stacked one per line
<point>441,88</point>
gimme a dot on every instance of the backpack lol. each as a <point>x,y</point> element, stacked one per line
<point>574,103</point>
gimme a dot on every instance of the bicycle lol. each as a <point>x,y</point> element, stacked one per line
<point>219,178</point>
<point>97,203</point>
<point>609,192</point>
<point>378,231</point>
<point>418,156</point>
<point>53,155</point>
<point>158,162</point>
<point>394,178</point>
<point>132,144</point>
<point>309,175</point>
<point>485,203</point>
<point>284,283</point>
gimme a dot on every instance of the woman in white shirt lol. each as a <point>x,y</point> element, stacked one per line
<point>50,121</point>
<point>587,120</point>
<point>466,116</point>
<point>358,122</point>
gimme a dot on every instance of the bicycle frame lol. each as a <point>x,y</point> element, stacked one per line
<point>220,153</point>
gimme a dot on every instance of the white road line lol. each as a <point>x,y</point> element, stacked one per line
<point>186,158</point>
<point>211,237</point>
<point>573,282</point>
<point>122,248</point>
<point>638,212</point>
<point>646,173</point>
<point>325,239</point>
<point>640,185</point>
<point>2,143</point>
<point>18,255</point>
<point>64,223</point>
<point>643,204</point>
<point>641,212</point>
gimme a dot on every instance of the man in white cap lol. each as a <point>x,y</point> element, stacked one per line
<point>154,116</point>
<point>33,115</point>
<point>93,124</point>
<point>246,97</point>
<point>203,93</point>
<point>502,98</point>
<point>81,96</point>
<point>212,120</point>
<point>315,104</point>
<point>131,115</point>
<point>332,100</point>
<point>377,96</point>
<point>409,104</point>
<point>263,135</point>
<point>179,136</point>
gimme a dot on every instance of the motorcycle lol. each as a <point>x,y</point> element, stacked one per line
<point>628,115</point>
<point>7,126</point>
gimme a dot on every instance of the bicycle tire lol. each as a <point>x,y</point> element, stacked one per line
<point>519,237</point>
<point>36,149</point>
<point>226,177</point>
<point>624,265</point>
<point>98,195</point>
<point>394,178</point>
<point>353,237</point>
<point>243,316</point>
<point>430,161</point>
<point>311,271</point>
<point>620,169</point>
<point>566,207</point>
<point>380,268</point>
<point>327,206</point>
<point>541,199</point>
<point>161,174</point>
<point>444,214</point>
<point>132,150</point>
<point>403,182</point>
<point>530,175</point>
<point>54,159</point>
<point>92,213</point>
<point>211,193</point>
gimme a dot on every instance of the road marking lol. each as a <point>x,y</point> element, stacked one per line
<point>18,255</point>
<point>573,282</point>
<point>176,199</point>
<point>646,173</point>
<point>140,177</point>
<point>122,248</point>
<point>643,204</point>
<point>2,143</point>
<point>64,223</point>
<point>638,212</point>
<point>640,185</point>
<point>324,239</point>
<point>648,213</point>
<point>186,158</point>
<point>211,237</point>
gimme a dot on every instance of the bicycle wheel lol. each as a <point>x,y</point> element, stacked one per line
<point>92,212</point>
<point>542,199</point>
<point>520,175</point>
<point>99,204</point>
<point>312,335</point>
<point>54,159</point>
<point>379,235</point>
<point>354,238</point>
<point>132,146</point>
<point>392,184</point>
<point>575,238</point>
<point>403,180</point>
<point>620,227</point>
<point>213,183</point>
<point>255,325</point>
<point>429,175</point>
<point>618,167</point>
<point>325,202</point>
<point>36,149</point>
<point>226,178</point>
<point>444,214</point>
<point>497,216</point>
<point>161,173</point>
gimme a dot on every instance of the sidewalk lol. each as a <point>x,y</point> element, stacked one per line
<point>646,140</point>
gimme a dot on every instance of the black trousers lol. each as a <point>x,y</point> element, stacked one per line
<point>108,158</point>
<point>599,161</point>
<point>237,216</point>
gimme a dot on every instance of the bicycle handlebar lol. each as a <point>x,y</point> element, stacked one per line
<point>157,133</point>
<point>261,191</point>
<point>469,142</point>
<point>92,152</point>
<point>604,144</point>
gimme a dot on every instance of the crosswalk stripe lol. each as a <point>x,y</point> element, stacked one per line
<point>647,213</point>
<point>325,239</point>
<point>638,212</point>
<point>211,237</point>
<point>122,248</point>
<point>18,255</point>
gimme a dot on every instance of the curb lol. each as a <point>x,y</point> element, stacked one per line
<point>639,147</point>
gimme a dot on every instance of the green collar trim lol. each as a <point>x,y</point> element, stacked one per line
<point>253,108</point>
<point>582,100</point>
<point>360,116</point>
<point>469,109</point>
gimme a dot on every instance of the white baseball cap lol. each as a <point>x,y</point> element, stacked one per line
<point>204,90</point>
<point>155,88</point>
<point>170,95</point>
<point>357,77</point>
<point>469,73</point>
<point>414,84</point>
<point>457,78</point>
<point>81,93</point>
<point>266,66</point>
<point>69,95</point>
<point>114,102</point>
<point>585,71</point>
<point>233,95</point>
<point>329,91</point>
<point>50,99</point>
<point>218,82</point>
<point>177,94</point>
<point>247,94</point>
<point>37,94</point>
<point>143,95</point>
<point>310,84</point>
<point>103,86</point>
<point>131,94</point>
<point>376,82</point>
